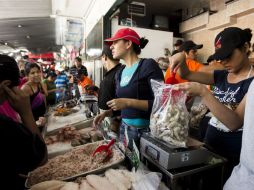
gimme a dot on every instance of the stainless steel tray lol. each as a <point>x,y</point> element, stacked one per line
<point>75,119</point>
<point>95,171</point>
<point>55,153</point>
<point>79,125</point>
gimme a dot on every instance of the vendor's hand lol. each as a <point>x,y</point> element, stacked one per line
<point>192,88</point>
<point>98,119</point>
<point>176,61</point>
<point>118,104</point>
<point>18,99</point>
<point>41,121</point>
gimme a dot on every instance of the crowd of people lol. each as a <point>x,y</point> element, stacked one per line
<point>26,92</point>
<point>125,96</point>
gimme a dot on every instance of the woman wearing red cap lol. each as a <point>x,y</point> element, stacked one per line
<point>133,88</point>
<point>227,103</point>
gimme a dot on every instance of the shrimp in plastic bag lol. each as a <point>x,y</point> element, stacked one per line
<point>169,118</point>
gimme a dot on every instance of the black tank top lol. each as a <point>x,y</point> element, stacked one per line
<point>39,109</point>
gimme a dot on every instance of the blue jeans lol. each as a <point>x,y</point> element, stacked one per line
<point>133,133</point>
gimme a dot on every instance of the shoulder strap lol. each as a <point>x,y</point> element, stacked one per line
<point>30,87</point>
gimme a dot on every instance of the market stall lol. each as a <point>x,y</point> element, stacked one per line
<point>167,153</point>
<point>60,117</point>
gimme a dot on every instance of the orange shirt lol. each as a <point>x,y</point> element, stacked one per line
<point>84,82</point>
<point>191,64</point>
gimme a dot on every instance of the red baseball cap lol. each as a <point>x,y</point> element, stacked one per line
<point>125,33</point>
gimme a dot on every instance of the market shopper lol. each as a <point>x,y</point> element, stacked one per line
<point>23,77</point>
<point>5,108</point>
<point>133,85</point>
<point>76,67</point>
<point>227,102</point>
<point>35,89</point>
<point>51,88</point>
<point>62,83</point>
<point>22,147</point>
<point>74,75</point>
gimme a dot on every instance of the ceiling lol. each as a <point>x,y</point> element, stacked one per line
<point>37,18</point>
<point>36,34</point>
<point>38,31</point>
<point>74,8</point>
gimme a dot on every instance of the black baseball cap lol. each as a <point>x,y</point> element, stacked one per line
<point>210,58</point>
<point>228,40</point>
<point>178,42</point>
<point>190,45</point>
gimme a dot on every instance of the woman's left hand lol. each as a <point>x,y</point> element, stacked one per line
<point>118,104</point>
<point>192,88</point>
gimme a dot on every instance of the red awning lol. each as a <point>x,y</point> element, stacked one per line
<point>48,55</point>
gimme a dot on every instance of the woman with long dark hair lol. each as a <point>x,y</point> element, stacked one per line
<point>133,85</point>
<point>35,89</point>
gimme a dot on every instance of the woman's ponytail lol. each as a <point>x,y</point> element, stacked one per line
<point>143,42</point>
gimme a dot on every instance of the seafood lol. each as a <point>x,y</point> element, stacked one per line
<point>170,118</point>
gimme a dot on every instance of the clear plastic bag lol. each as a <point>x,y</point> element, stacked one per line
<point>146,180</point>
<point>169,118</point>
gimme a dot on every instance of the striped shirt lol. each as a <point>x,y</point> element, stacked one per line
<point>61,81</point>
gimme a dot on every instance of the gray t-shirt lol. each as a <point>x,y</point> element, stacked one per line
<point>242,177</point>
